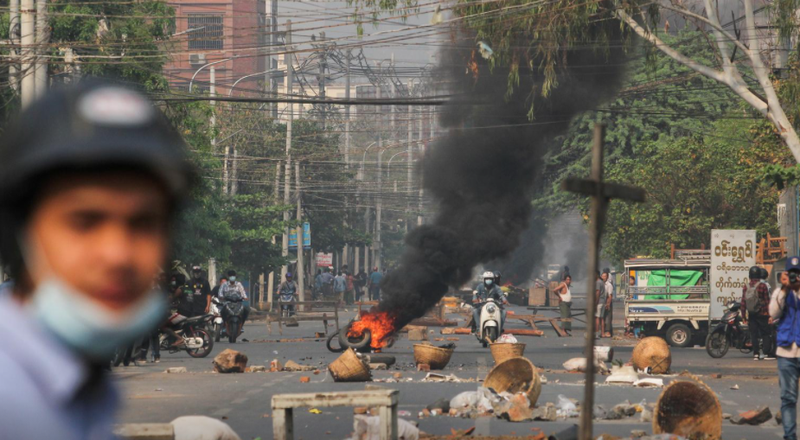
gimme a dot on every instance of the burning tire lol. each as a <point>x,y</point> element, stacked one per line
<point>357,343</point>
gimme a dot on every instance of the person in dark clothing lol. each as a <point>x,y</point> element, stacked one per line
<point>200,292</point>
<point>755,301</point>
<point>215,290</point>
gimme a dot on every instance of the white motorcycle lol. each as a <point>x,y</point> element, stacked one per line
<point>216,325</point>
<point>490,324</point>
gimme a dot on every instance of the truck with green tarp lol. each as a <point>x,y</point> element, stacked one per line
<point>669,298</point>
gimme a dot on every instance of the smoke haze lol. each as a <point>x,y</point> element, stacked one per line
<point>481,174</point>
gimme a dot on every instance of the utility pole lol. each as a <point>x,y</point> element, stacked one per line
<point>42,38</point>
<point>288,172</point>
<point>347,112</point>
<point>273,24</point>
<point>235,171</point>
<point>13,38</point>
<point>409,151</point>
<point>276,193</point>
<point>27,50</point>
<point>301,270</point>
<point>321,79</point>
<point>378,213</point>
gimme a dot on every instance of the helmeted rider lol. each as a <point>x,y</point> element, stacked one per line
<point>287,291</point>
<point>485,290</point>
<point>231,290</point>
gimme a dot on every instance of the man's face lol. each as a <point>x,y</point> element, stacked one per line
<point>105,235</point>
<point>197,274</point>
<point>784,278</point>
<point>604,277</point>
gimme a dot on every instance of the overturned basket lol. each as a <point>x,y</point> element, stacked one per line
<point>502,351</point>
<point>652,352</point>
<point>349,368</point>
<point>515,375</point>
<point>688,408</point>
<point>436,357</point>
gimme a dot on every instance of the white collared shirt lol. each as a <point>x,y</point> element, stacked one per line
<point>44,387</point>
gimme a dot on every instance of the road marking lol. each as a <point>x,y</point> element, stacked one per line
<point>729,402</point>
<point>239,401</point>
<point>221,412</point>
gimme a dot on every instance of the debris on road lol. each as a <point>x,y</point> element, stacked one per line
<point>604,353</point>
<point>566,407</point>
<point>305,379</point>
<point>294,366</point>
<point>752,417</point>
<point>230,361</point>
<point>517,409</point>
<point>652,354</point>
<point>417,333</point>
<point>256,369</point>
<point>378,367</point>
<point>314,411</point>
<point>176,370</point>
<point>735,387</point>
<point>275,365</point>
<point>649,382</point>
<point>579,365</point>
<point>513,376</point>
<point>368,428</point>
<point>436,377</point>
<point>202,427</point>
<point>622,374</point>
<point>349,367</point>
<point>506,350</point>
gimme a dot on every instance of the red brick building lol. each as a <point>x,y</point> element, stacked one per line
<point>208,31</point>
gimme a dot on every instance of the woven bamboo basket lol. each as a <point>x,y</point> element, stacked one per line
<point>349,368</point>
<point>688,408</point>
<point>515,375</point>
<point>503,351</point>
<point>436,357</point>
<point>652,352</point>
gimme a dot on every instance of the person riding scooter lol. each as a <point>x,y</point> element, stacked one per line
<point>286,293</point>
<point>487,289</point>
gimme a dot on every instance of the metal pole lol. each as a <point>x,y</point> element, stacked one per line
<point>378,213</point>
<point>300,266</point>
<point>274,33</point>
<point>234,171</point>
<point>27,49</point>
<point>347,112</point>
<point>409,148</point>
<point>597,220</point>
<point>288,172</point>
<point>42,38</point>
<point>13,37</point>
<point>321,79</point>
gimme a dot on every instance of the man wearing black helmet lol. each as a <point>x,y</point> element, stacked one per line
<point>90,179</point>
<point>200,292</point>
<point>755,300</point>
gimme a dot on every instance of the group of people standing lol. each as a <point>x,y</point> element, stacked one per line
<point>347,287</point>
<point>603,297</point>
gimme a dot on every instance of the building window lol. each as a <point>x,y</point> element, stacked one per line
<point>205,31</point>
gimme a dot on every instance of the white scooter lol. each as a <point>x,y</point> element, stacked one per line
<point>489,326</point>
<point>216,325</point>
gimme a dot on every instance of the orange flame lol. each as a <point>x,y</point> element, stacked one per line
<point>380,324</point>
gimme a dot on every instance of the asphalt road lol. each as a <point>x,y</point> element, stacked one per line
<point>243,400</point>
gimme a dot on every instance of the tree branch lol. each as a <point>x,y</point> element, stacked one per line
<point>714,24</point>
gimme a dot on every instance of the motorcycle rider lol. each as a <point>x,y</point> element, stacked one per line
<point>200,291</point>
<point>233,287</point>
<point>287,292</point>
<point>181,307</point>
<point>487,289</point>
<point>91,177</point>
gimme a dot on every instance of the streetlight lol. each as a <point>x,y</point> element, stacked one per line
<point>255,74</point>
<point>209,64</point>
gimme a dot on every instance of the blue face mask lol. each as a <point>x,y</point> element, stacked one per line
<point>488,282</point>
<point>232,279</point>
<point>88,328</point>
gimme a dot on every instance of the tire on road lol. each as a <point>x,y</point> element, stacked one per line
<point>679,335</point>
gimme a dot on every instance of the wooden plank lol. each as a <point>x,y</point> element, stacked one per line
<point>343,398</point>
<point>558,328</point>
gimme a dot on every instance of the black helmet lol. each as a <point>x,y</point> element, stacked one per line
<point>93,126</point>
<point>764,273</point>
<point>755,273</point>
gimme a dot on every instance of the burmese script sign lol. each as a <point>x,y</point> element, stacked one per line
<point>733,252</point>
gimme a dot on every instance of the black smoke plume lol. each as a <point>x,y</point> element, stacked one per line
<point>481,174</point>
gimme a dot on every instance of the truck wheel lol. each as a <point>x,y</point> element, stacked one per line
<point>679,335</point>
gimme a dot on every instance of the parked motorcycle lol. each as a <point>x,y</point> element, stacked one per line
<point>197,341</point>
<point>233,313</point>
<point>730,332</point>
<point>490,320</point>
<point>216,325</point>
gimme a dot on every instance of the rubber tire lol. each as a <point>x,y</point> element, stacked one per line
<point>723,351</point>
<point>206,350</point>
<point>674,332</point>
<point>330,347</point>
<point>491,334</point>
<point>345,342</point>
<point>234,325</point>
